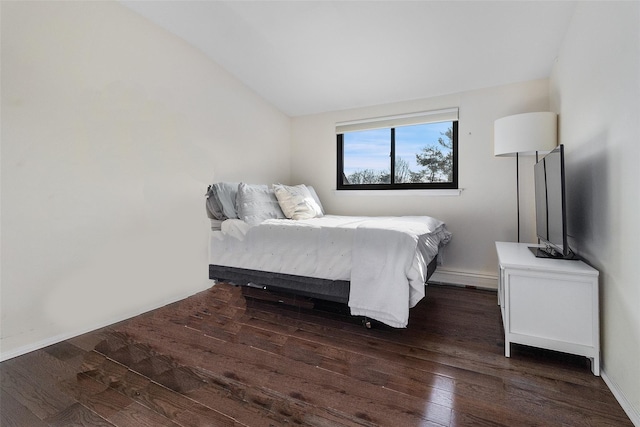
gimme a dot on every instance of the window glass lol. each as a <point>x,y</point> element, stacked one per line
<point>424,153</point>
<point>366,156</point>
<point>424,156</point>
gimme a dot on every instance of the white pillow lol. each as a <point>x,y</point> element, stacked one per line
<point>297,202</point>
<point>315,197</point>
<point>255,203</point>
<point>226,192</point>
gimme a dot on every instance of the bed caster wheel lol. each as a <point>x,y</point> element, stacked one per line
<point>366,323</point>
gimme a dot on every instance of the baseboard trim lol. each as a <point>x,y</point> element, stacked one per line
<point>632,413</point>
<point>71,334</point>
<point>464,278</point>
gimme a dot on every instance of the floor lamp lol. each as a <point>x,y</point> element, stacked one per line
<point>524,135</point>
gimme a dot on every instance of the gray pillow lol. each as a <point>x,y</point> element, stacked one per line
<point>214,208</point>
<point>226,192</point>
<point>255,203</point>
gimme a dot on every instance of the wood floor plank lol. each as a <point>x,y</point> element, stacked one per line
<point>417,387</point>
<point>281,373</point>
<point>248,360</point>
<point>87,342</point>
<point>220,358</point>
<point>465,357</point>
<point>36,395</point>
<point>102,399</point>
<point>384,355</point>
<point>77,415</point>
<point>137,415</point>
<point>14,414</point>
<point>112,398</point>
<point>47,369</point>
<point>310,355</point>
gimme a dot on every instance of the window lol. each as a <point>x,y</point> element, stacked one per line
<point>416,151</point>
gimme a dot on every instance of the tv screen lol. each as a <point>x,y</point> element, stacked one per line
<point>551,211</point>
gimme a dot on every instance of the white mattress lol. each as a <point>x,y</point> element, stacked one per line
<point>325,247</point>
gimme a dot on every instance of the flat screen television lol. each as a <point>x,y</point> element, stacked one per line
<point>551,206</point>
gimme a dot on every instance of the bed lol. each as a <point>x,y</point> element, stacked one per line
<point>377,265</point>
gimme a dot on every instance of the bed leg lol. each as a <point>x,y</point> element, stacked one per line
<point>366,323</point>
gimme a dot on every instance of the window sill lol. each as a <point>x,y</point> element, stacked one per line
<point>428,193</point>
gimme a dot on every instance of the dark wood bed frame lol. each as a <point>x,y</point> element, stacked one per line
<point>323,289</point>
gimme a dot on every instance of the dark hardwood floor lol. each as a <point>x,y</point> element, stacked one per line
<point>219,358</point>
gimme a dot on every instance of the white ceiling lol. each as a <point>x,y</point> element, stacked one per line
<point>307,57</point>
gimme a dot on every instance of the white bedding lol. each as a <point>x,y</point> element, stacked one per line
<point>385,258</point>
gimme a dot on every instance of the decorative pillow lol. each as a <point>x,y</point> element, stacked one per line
<point>315,197</point>
<point>214,209</point>
<point>297,202</point>
<point>255,203</point>
<point>226,192</point>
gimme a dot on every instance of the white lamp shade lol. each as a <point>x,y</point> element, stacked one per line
<point>524,134</point>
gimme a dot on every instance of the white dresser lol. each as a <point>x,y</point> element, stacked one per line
<point>548,303</point>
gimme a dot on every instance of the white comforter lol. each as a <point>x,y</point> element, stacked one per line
<point>385,258</point>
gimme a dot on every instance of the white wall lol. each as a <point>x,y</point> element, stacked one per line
<point>595,88</point>
<point>111,131</point>
<point>485,212</point>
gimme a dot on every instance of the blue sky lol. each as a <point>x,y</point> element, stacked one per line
<point>370,149</point>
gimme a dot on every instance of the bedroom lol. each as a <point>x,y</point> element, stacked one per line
<point>133,124</point>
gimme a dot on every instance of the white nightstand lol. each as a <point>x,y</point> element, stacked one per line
<point>548,303</point>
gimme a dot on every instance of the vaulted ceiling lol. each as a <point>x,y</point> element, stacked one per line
<point>307,57</point>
